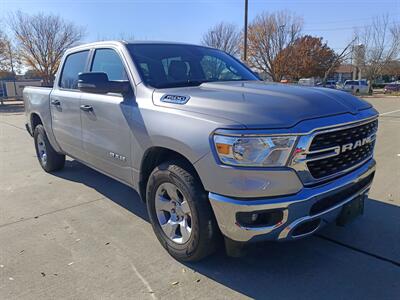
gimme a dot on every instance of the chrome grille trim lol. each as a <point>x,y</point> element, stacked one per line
<point>301,154</point>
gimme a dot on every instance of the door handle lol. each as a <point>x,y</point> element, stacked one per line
<point>55,102</point>
<point>86,107</point>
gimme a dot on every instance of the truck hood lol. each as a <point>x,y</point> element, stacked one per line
<point>261,105</point>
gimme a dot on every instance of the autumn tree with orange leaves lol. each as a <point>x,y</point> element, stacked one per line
<point>268,35</point>
<point>307,57</point>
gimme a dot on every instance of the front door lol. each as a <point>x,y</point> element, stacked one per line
<point>65,103</point>
<point>105,121</point>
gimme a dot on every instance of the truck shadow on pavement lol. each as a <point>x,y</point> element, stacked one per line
<point>360,261</point>
<point>119,193</point>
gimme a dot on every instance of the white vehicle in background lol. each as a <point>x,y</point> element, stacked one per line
<point>307,81</point>
<point>356,86</point>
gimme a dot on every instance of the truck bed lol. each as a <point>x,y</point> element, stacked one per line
<point>37,101</point>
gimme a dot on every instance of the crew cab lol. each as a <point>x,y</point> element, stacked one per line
<point>212,150</point>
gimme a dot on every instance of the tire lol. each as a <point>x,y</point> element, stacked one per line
<point>48,158</point>
<point>204,235</point>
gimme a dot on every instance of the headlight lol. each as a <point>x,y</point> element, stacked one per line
<point>265,151</point>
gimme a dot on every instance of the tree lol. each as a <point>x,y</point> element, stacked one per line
<point>223,36</point>
<point>380,45</point>
<point>32,74</point>
<point>339,59</point>
<point>391,71</point>
<point>9,60</point>
<point>307,57</point>
<point>3,50</point>
<point>42,40</point>
<point>268,35</point>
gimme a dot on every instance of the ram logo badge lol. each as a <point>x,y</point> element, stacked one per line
<point>358,143</point>
<point>175,99</point>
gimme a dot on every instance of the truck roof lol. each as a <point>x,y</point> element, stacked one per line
<point>122,42</point>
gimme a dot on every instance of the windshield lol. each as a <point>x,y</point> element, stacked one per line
<point>174,65</point>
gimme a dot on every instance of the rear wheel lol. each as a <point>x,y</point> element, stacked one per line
<point>48,158</point>
<point>180,212</point>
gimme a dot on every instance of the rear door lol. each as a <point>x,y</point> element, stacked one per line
<point>105,127</point>
<point>65,103</point>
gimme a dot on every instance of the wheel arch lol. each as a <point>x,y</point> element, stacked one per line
<point>155,156</point>
<point>35,120</point>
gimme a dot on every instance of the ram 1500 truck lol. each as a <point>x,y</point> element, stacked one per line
<point>213,151</point>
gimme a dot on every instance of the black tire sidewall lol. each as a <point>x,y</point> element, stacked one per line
<point>164,174</point>
<point>55,161</point>
<point>39,130</point>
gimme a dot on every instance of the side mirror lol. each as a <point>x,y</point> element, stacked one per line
<point>97,82</point>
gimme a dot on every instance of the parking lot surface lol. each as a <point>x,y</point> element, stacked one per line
<point>77,234</point>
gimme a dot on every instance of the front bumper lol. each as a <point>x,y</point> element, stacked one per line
<point>297,210</point>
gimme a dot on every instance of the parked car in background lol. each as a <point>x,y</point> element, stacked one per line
<point>330,84</point>
<point>307,81</point>
<point>391,87</point>
<point>356,86</point>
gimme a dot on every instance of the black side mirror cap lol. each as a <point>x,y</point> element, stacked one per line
<point>98,82</point>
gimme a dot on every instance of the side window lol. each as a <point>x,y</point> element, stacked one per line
<point>109,62</point>
<point>74,64</point>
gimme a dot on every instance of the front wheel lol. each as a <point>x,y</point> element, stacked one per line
<point>180,212</point>
<point>48,158</point>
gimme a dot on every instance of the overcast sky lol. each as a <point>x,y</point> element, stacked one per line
<point>187,20</point>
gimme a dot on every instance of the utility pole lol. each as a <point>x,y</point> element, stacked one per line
<point>246,6</point>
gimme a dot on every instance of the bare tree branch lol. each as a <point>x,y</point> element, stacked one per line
<point>380,42</point>
<point>223,36</point>
<point>42,40</point>
<point>339,59</point>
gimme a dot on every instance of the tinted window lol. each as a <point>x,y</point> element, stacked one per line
<point>215,69</point>
<point>74,64</point>
<point>174,65</point>
<point>109,62</point>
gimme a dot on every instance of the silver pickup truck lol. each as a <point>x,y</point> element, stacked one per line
<point>212,150</point>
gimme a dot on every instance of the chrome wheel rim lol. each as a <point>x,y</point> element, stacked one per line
<point>173,213</point>
<point>42,152</point>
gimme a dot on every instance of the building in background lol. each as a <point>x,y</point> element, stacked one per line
<point>13,89</point>
<point>343,72</point>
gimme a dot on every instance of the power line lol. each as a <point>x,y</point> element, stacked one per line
<point>346,28</point>
<point>349,20</point>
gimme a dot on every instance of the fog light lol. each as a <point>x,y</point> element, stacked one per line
<point>259,218</point>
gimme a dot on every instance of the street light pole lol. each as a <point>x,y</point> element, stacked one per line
<point>246,5</point>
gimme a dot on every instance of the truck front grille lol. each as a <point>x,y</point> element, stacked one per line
<point>340,137</point>
<point>345,159</point>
